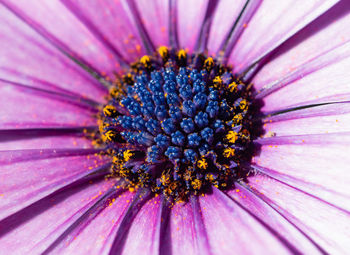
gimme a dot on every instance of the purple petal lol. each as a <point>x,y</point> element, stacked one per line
<point>272,24</point>
<point>321,80</point>
<point>39,64</point>
<point>231,228</point>
<point>40,110</point>
<point>272,218</point>
<point>51,215</point>
<point>44,173</point>
<point>21,139</point>
<point>144,234</point>
<point>319,37</point>
<point>328,118</point>
<point>180,236</point>
<point>225,15</point>
<point>325,224</point>
<point>319,163</point>
<point>59,25</point>
<point>189,22</point>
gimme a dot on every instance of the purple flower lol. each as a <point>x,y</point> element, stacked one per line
<point>233,138</point>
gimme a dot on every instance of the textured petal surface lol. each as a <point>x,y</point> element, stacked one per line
<point>326,225</point>
<point>39,64</point>
<point>155,15</point>
<point>319,37</point>
<point>321,80</point>
<point>190,17</point>
<point>231,228</point>
<point>323,119</point>
<point>40,224</point>
<point>317,163</point>
<point>45,171</point>
<point>259,38</point>
<point>59,25</point>
<point>143,237</point>
<point>41,109</point>
<point>272,218</point>
<point>224,18</point>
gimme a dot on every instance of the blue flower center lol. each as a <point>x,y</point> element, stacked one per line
<point>178,124</point>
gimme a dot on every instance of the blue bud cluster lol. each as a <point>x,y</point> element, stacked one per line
<point>175,121</point>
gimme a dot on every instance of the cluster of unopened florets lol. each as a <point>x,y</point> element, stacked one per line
<point>178,124</point>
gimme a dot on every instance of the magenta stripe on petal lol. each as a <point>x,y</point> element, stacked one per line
<point>323,34</point>
<point>42,177</point>
<point>326,225</point>
<point>273,219</point>
<point>52,215</point>
<point>231,228</point>
<point>288,17</point>
<point>321,160</point>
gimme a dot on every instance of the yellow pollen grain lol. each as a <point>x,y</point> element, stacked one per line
<point>109,110</point>
<point>217,81</point>
<point>127,155</point>
<point>182,54</point>
<point>163,51</point>
<point>243,105</point>
<point>232,136</point>
<point>202,163</point>
<point>229,152</point>
<point>232,87</point>
<point>196,184</point>
<point>146,61</point>
<point>209,63</point>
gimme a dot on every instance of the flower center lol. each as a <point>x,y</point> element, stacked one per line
<point>177,124</point>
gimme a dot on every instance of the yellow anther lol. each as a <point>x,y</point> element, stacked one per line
<point>232,136</point>
<point>164,179</point>
<point>127,155</point>
<point>202,163</point>
<point>114,92</point>
<point>209,63</point>
<point>237,119</point>
<point>182,54</point>
<point>110,135</point>
<point>243,105</point>
<point>110,111</point>
<point>196,184</point>
<point>146,61</point>
<point>163,52</point>
<point>233,86</point>
<point>229,152</point>
<point>217,81</point>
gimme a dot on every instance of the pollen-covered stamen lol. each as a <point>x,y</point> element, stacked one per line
<point>181,126</point>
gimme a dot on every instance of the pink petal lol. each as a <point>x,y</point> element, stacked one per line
<point>154,15</point>
<point>144,233</point>
<point>325,33</point>
<point>112,24</point>
<point>231,228</point>
<point>189,22</point>
<point>21,139</point>
<point>272,218</point>
<point>321,80</point>
<point>41,109</point>
<point>180,235</point>
<point>59,25</point>
<point>325,224</point>
<point>39,64</point>
<point>225,16</point>
<point>315,163</point>
<point>329,118</point>
<point>51,215</point>
<point>33,174</point>
<point>273,23</point>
